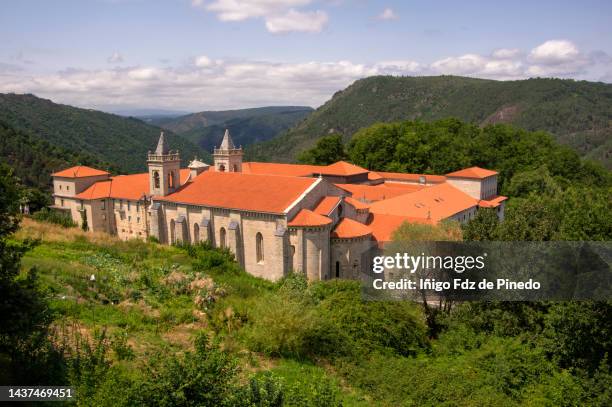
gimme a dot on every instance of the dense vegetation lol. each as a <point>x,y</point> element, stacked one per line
<point>183,326</point>
<point>247,126</point>
<point>87,134</point>
<point>576,113</point>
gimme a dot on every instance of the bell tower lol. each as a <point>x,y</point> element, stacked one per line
<point>227,157</point>
<point>164,169</point>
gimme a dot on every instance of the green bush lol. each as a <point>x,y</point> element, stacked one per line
<point>56,217</point>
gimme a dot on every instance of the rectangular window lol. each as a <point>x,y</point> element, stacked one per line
<point>103,204</point>
<point>129,206</point>
<point>62,202</point>
<point>60,187</point>
<point>67,187</point>
<point>129,218</point>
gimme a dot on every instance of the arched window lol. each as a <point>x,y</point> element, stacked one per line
<point>172,232</point>
<point>221,167</point>
<point>156,179</point>
<point>235,168</point>
<point>222,243</point>
<point>171,179</point>
<point>337,269</point>
<point>196,233</point>
<point>259,245</point>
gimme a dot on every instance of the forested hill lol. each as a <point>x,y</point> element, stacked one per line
<point>122,142</point>
<point>576,113</point>
<point>247,126</point>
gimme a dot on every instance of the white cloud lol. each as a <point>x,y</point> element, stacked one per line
<point>280,16</point>
<point>116,58</point>
<point>297,21</point>
<point>506,53</point>
<point>554,52</point>
<point>203,62</point>
<point>387,14</point>
<point>205,83</point>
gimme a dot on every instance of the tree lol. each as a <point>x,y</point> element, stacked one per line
<point>483,226</point>
<point>328,150</point>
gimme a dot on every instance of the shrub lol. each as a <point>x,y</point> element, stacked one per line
<point>56,217</point>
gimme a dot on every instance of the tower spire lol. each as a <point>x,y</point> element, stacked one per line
<point>227,143</point>
<point>162,146</point>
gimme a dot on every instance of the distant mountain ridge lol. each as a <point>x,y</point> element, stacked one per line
<point>577,113</point>
<point>103,137</point>
<point>247,126</point>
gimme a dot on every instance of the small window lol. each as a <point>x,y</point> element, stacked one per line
<point>422,179</point>
<point>129,205</point>
<point>103,205</point>
<point>337,269</point>
<point>138,219</point>
<point>259,245</point>
<point>156,179</point>
<point>222,243</point>
<point>62,204</point>
<point>67,187</point>
<point>60,187</point>
<point>129,218</point>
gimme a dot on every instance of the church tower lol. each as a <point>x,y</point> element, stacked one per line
<point>228,158</point>
<point>164,169</point>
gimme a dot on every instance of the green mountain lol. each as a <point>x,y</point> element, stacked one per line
<point>577,113</point>
<point>121,142</point>
<point>247,126</point>
<point>33,160</point>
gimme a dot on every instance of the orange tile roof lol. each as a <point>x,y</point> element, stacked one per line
<point>383,226</point>
<point>80,171</point>
<point>341,168</point>
<point>295,170</point>
<point>326,205</point>
<point>306,217</point>
<point>349,229</point>
<point>259,193</point>
<point>378,192</point>
<point>373,176</point>
<point>401,176</point>
<point>436,202</point>
<point>493,202</point>
<point>356,203</point>
<point>131,187</point>
<point>472,172</point>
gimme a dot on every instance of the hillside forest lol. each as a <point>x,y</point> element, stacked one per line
<point>186,326</point>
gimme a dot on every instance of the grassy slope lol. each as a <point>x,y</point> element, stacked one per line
<point>268,326</point>
<point>123,142</point>
<point>568,109</point>
<point>153,314</point>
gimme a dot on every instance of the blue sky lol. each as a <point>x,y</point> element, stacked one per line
<point>218,54</point>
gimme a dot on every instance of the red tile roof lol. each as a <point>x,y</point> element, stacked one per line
<point>326,205</point>
<point>341,168</point>
<point>259,193</point>
<point>472,172</point>
<point>80,171</point>
<point>356,203</point>
<point>296,170</point>
<point>400,176</point>
<point>383,226</point>
<point>378,192</point>
<point>349,229</point>
<point>493,202</point>
<point>131,187</point>
<point>436,202</point>
<point>306,217</point>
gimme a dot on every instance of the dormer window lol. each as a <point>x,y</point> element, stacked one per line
<point>422,179</point>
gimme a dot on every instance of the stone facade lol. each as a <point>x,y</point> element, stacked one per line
<point>267,244</point>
